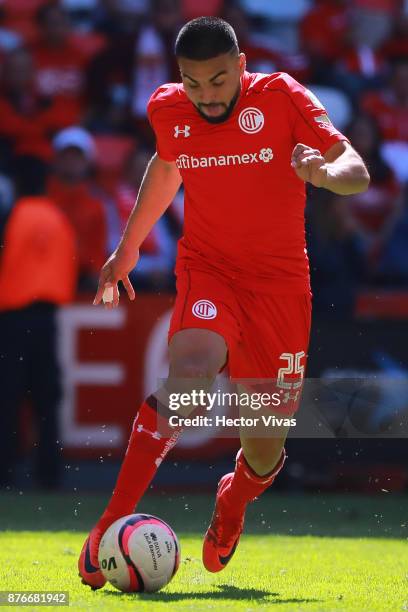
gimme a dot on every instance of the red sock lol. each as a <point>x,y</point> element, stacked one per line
<point>246,484</point>
<point>146,449</point>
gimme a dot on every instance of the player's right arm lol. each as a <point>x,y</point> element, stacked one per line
<point>158,189</point>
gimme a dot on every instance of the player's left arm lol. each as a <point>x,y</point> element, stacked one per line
<point>340,170</point>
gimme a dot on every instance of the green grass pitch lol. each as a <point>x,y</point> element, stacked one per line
<point>299,553</point>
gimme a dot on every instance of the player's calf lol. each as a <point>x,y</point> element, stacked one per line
<point>262,454</point>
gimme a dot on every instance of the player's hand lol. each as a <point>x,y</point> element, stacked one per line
<point>116,269</point>
<point>309,164</point>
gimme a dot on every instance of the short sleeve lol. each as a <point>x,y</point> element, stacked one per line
<point>311,123</point>
<point>155,113</point>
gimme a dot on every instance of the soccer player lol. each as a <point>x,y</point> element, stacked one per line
<point>244,145</point>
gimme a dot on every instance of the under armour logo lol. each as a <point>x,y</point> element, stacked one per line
<point>178,131</point>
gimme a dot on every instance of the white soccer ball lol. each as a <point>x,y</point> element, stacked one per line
<point>139,552</point>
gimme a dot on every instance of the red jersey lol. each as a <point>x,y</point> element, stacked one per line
<point>244,204</point>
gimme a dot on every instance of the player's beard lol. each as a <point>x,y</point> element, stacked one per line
<point>228,110</point>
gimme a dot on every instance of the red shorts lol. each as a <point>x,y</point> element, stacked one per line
<point>267,335</point>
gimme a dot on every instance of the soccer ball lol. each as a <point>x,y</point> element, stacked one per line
<point>139,552</point>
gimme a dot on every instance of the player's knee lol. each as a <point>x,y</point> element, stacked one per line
<point>187,374</point>
<point>197,365</point>
<point>196,353</point>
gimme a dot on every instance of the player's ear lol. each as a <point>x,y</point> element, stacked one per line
<point>242,63</point>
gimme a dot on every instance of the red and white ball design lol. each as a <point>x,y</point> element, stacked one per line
<point>139,552</point>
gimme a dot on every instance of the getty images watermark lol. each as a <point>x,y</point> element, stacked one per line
<point>249,403</point>
<point>332,406</point>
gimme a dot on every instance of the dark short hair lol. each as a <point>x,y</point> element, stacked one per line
<point>204,38</point>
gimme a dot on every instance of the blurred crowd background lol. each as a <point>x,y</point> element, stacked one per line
<point>75,77</point>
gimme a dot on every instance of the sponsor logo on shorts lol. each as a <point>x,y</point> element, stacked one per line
<point>251,120</point>
<point>204,309</point>
<point>187,162</point>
